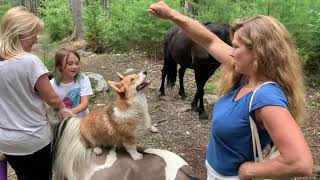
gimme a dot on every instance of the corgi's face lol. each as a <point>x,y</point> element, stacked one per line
<point>131,84</point>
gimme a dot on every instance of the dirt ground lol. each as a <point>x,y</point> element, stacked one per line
<point>180,130</point>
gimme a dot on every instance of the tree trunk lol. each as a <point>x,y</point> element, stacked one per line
<point>106,6</point>
<point>32,5</point>
<point>190,6</point>
<point>76,9</point>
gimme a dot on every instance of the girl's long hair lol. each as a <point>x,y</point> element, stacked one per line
<point>60,62</point>
<point>15,22</point>
<point>277,60</point>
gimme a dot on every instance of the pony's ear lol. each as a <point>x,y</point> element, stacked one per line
<point>117,86</point>
<point>120,76</point>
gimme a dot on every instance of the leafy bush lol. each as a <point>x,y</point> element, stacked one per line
<point>129,25</point>
<point>49,63</point>
<point>46,55</point>
<point>4,6</point>
<point>313,37</point>
<point>57,18</point>
<point>94,23</point>
<point>302,18</point>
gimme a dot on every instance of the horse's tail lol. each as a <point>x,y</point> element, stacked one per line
<point>68,149</point>
<point>169,65</point>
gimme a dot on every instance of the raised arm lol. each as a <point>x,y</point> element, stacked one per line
<point>195,30</point>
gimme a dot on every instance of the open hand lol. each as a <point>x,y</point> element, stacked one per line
<point>161,10</point>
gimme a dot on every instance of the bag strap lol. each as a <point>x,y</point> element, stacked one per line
<point>256,145</point>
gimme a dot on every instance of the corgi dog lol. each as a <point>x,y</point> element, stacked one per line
<point>116,125</point>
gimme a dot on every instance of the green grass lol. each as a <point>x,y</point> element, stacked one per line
<point>315,101</point>
<point>189,71</point>
<point>209,87</point>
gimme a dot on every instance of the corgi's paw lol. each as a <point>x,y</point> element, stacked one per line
<point>136,156</point>
<point>153,129</point>
<point>97,151</point>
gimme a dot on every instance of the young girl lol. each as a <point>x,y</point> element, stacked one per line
<point>71,86</point>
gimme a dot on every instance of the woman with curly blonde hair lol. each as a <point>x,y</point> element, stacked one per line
<point>24,89</point>
<point>264,58</point>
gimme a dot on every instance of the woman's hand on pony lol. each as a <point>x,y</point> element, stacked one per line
<point>65,113</point>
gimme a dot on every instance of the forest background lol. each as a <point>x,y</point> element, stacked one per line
<point>125,25</point>
<point>114,27</point>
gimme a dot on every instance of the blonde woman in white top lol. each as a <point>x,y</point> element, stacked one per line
<point>24,89</point>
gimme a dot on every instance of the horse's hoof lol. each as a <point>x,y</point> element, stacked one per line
<point>162,94</point>
<point>182,94</point>
<point>203,116</point>
<point>194,108</point>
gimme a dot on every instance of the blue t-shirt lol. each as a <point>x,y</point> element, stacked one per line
<point>230,142</point>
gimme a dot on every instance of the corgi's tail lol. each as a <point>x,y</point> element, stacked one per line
<point>68,150</point>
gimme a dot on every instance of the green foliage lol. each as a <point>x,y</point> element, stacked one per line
<point>129,25</point>
<point>94,23</point>
<point>4,6</point>
<point>315,101</point>
<point>57,18</point>
<point>302,19</point>
<point>314,36</point>
<point>46,53</point>
<point>49,63</point>
<point>225,11</point>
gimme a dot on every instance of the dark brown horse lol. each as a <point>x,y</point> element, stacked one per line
<point>180,49</point>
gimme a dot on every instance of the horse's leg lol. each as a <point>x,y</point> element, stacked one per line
<point>182,71</point>
<point>201,77</point>
<point>194,103</point>
<point>202,112</point>
<point>164,74</point>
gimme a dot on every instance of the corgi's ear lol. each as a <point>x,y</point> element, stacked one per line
<point>117,86</point>
<point>120,76</point>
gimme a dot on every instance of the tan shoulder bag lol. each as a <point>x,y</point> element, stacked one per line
<point>256,146</point>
